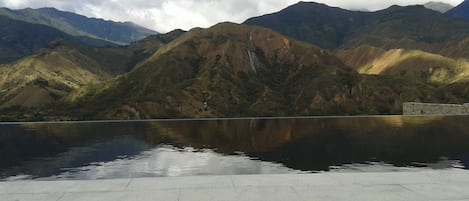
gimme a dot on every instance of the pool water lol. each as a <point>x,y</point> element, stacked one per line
<point>107,150</point>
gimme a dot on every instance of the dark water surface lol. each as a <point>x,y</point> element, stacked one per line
<point>100,150</point>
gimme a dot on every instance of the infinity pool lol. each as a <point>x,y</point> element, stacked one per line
<point>107,150</point>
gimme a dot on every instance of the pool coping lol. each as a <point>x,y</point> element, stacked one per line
<point>450,184</point>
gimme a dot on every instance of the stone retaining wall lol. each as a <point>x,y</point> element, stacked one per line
<point>435,109</point>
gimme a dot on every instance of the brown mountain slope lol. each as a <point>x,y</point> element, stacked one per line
<point>233,70</point>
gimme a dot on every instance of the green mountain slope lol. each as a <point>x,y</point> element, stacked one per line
<point>233,70</point>
<point>78,25</point>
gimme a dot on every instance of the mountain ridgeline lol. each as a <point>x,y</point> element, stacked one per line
<point>308,59</point>
<point>319,24</point>
<point>78,25</point>
<point>411,27</point>
<point>19,39</point>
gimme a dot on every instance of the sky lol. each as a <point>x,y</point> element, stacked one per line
<point>166,15</point>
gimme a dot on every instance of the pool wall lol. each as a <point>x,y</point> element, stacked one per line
<point>413,108</point>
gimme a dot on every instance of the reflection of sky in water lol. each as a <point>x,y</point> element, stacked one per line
<point>170,161</point>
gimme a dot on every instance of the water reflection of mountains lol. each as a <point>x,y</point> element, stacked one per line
<point>303,144</point>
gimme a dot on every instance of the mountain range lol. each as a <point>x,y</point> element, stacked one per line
<point>78,25</point>
<point>19,39</point>
<point>307,59</point>
<point>237,70</point>
<point>404,40</point>
<point>396,27</point>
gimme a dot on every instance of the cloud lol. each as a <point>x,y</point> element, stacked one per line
<point>166,15</point>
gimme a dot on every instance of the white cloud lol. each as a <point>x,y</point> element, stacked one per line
<point>165,15</point>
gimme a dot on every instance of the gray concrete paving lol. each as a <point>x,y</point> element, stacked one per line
<point>441,185</point>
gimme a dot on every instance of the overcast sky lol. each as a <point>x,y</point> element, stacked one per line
<point>166,15</point>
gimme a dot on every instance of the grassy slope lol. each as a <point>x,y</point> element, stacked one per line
<point>53,72</point>
<point>411,64</point>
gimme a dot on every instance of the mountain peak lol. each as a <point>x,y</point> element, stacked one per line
<point>49,8</point>
<point>232,69</point>
<point>303,5</point>
<point>310,3</point>
<point>398,7</point>
<point>438,6</point>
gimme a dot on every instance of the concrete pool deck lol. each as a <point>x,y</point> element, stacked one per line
<point>441,185</point>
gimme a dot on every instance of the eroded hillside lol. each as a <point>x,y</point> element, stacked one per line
<point>235,70</point>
